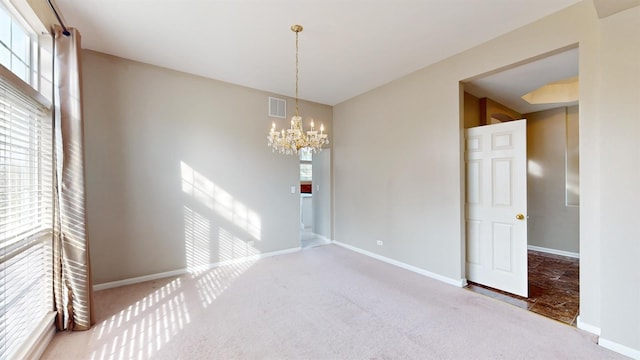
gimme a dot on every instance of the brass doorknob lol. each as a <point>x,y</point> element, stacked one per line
<point>520,217</point>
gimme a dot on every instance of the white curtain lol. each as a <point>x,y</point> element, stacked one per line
<point>72,270</point>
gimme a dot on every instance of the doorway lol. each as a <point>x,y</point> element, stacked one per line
<point>552,190</point>
<point>315,198</point>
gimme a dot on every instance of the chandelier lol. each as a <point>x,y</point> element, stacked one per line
<point>292,140</point>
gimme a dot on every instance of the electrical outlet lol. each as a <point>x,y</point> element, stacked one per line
<point>293,189</point>
<point>379,242</point>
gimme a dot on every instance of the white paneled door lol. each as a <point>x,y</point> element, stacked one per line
<point>496,221</point>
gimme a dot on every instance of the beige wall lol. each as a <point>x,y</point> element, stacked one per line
<point>492,112</point>
<point>413,198</point>
<point>551,224</point>
<point>619,112</point>
<point>322,193</point>
<point>471,111</point>
<point>178,170</point>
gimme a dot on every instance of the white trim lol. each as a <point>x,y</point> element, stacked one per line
<point>619,348</point>
<point>587,327</point>
<point>37,344</point>
<point>454,282</point>
<point>24,87</point>
<point>139,279</point>
<point>26,15</point>
<point>554,251</point>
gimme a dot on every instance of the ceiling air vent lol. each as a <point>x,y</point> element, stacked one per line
<point>277,107</point>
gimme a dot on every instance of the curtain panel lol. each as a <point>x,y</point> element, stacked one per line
<point>72,271</point>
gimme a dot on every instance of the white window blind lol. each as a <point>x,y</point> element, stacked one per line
<point>25,215</point>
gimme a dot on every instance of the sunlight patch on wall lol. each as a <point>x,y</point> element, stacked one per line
<point>216,217</point>
<point>197,232</point>
<point>231,247</point>
<point>572,194</point>
<point>222,202</point>
<point>535,169</point>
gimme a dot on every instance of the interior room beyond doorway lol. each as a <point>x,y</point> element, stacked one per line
<point>315,198</point>
<point>552,211</point>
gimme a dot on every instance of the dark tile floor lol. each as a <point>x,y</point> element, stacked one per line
<point>554,285</point>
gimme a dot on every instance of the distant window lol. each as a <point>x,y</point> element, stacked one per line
<point>306,154</point>
<point>305,172</point>
<point>306,169</point>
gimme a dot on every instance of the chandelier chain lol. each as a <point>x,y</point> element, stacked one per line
<point>297,71</point>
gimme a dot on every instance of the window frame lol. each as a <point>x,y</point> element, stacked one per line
<point>40,41</point>
<point>27,252</point>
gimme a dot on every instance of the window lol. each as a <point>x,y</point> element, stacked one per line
<point>15,46</point>
<point>306,154</point>
<point>26,54</point>
<point>25,214</point>
<point>26,259</point>
<point>306,173</point>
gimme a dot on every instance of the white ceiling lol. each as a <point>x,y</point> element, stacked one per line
<point>507,87</point>
<point>347,47</point>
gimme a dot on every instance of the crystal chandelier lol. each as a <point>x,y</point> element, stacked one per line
<point>291,140</point>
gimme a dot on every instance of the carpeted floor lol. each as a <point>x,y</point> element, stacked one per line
<point>324,302</point>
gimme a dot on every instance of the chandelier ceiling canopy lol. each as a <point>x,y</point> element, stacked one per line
<point>292,140</point>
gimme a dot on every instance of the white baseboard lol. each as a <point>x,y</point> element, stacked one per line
<point>454,282</point>
<point>619,348</point>
<point>554,251</point>
<point>138,279</point>
<point>162,275</point>
<point>587,327</point>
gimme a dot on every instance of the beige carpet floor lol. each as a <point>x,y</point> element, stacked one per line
<point>324,302</point>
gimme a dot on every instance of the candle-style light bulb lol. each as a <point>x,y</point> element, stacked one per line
<point>311,124</point>
<point>321,128</point>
